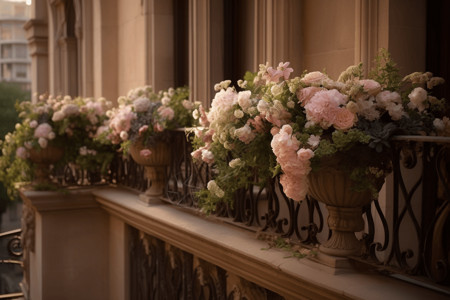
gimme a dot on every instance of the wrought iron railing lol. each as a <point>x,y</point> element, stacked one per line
<point>14,252</point>
<point>406,233</point>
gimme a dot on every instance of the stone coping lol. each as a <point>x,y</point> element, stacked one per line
<point>238,251</point>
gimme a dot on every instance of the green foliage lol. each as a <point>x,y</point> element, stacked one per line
<point>9,95</point>
<point>385,71</point>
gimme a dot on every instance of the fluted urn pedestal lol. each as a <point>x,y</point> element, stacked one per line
<point>155,165</point>
<point>334,188</point>
<point>43,159</point>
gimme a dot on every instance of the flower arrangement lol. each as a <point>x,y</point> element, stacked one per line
<point>144,114</point>
<point>294,126</point>
<point>63,122</point>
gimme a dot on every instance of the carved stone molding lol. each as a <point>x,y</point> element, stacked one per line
<point>28,242</point>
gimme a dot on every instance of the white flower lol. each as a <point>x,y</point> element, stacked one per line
<point>124,135</point>
<point>244,99</point>
<point>395,111</point>
<point>262,106</point>
<point>234,163</point>
<point>238,113</point>
<point>276,89</point>
<point>291,104</point>
<point>417,97</point>
<point>141,104</point>
<point>195,114</point>
<point>207,156</point>
<point>439,124</point>
<point>222,85</point>
<point>314,141</point>
<point>58,116</point>
<point>165,101</point>
<point>215,189</point>
<point>43,142</point>
<point>17,126</point>
<point>51,135</point>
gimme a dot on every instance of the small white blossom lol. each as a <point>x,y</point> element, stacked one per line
<point>124,135</point>
<point>235,163</point>
<point>195,114</point>
<point>165,101</point>
<point>238,113</point>
<point>215,189</point>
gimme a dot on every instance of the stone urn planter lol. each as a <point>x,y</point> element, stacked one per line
<point>43,159</point>
<point>333,187</point>
<point>155,165</point>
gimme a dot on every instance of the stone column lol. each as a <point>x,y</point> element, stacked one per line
<point>67,245</point>
<point>37,35</point>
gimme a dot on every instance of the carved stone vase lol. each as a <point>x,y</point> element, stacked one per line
<point>43,159</point>
<point>155,166</point>
<point>333,187</point>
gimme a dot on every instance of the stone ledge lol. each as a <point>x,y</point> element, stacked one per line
<point>53,201</point>
<point>239,252</point>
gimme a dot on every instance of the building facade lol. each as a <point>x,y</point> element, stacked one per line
<point>97,48</point>
<point>104,48</point>
<point>15,62</point>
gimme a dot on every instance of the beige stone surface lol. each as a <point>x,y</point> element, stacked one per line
<point>70,260</point>
<point>239,252</point>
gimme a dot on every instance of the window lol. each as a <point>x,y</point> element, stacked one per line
<point>6,32</point>
<point>18,32</point>
<point>6,51</point>
<point>7,71</point>
<point>21,71</point>
<point>20,51</point>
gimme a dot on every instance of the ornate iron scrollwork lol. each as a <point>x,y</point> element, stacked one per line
<point>161,271</point>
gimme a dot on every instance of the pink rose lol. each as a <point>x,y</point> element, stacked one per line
<point>344,119</point>
<point>370,86</point>
<point>314,78</point>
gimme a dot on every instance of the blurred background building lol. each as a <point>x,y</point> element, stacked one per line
<point>15,62</point>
